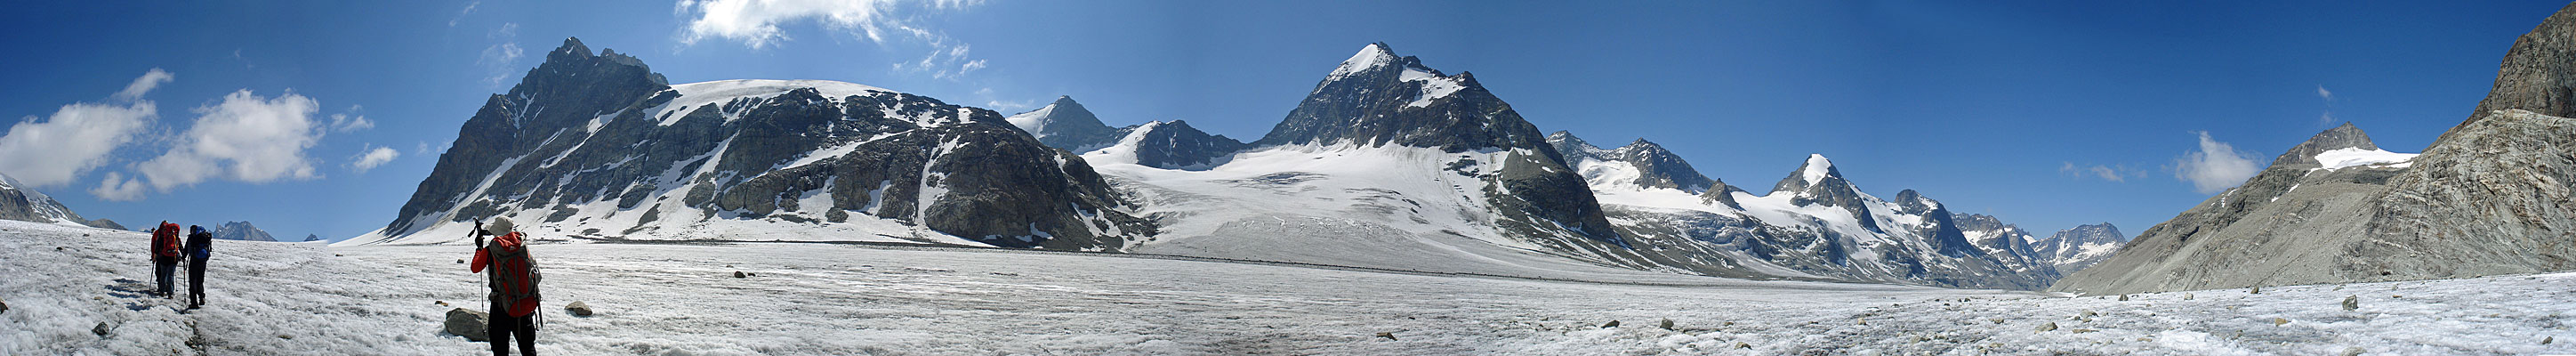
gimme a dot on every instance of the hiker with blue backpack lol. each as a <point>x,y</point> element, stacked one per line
<point>199,247</point>
<point>513,278</point>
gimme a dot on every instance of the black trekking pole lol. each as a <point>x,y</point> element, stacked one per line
<point>478,234</point>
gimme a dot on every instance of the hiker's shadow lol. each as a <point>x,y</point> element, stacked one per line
<point>129,289</point>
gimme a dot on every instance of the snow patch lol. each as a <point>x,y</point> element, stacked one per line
<point>2354,157</point>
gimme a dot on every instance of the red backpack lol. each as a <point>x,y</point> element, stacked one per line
<point>165,241</point>
<point>514,275</point>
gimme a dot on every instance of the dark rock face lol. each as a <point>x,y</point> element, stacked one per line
<point>312,238</point>
<point>1066,124</point>
<point>1379,99</point>
<point>1176,145</point>
<point>241,230</point>
<point>2538,73</point>
<point>2074,249</point>
<point>604,133</point>
<point>21,204</point>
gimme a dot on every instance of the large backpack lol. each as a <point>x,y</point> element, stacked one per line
<point>514,275</point>
<point>165,241</point>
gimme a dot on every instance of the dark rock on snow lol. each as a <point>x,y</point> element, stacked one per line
<point>467,323</point>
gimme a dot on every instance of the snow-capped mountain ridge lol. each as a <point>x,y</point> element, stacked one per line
<point>596,146</point>
<point>1814,224</point>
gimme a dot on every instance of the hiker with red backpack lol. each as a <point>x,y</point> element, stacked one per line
<point>513,279</point>
<point>165,257</point>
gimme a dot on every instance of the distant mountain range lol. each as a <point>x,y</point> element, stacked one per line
<point>1387,163</point>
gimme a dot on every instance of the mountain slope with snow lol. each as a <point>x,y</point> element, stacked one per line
<point>596,146</point>
<point>1430,169</point>
<point>18,202</point>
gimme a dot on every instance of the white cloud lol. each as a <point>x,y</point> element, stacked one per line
<point>145,84</point>
<point>2322,93</point>
<point>78,137</point>
<point>117,188</point>
<point>2215,167</point>
<point>756,24</point>
<point>242,137</point>
<point>350,120</point>
<point>370,158</point>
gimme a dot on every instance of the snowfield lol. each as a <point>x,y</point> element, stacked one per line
<point>848,299</point>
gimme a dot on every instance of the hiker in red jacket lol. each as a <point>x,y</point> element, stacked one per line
<point>165,257</point>
<point>513,279</point>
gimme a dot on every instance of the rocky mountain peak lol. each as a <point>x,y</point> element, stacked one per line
<point>2339,137</point>
<point>241,230</point>
<point>1377,98</point>
<point>1168,145</point>
<point>1817,178</point>
<point>1066,124</point>
<point>2538,73</point>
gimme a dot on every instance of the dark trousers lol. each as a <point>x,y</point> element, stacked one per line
<point>504,326</point>
<point>196,282</point>
<point>165,269</point>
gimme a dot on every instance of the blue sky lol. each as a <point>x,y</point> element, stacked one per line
<point>2002,108</point>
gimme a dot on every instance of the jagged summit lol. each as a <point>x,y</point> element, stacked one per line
<point>1817,182</point>
<point>1378,98</point>
<point>2339,137</point>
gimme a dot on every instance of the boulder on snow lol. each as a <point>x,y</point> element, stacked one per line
<point>1390,336</point>
<point>739,274</point>
<point>469,324</point>
<point>578,309</point>
<point>2351,303</point>
<point>1611,324</point>
<point>4,306</point>
<point>101,329</point>
<point>2050,326</point>
<point>1666,324</point>
<point>2353,351</point>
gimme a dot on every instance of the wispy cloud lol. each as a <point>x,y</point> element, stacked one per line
<point>2216,166</point>
<point>460,15</point>
<point>370,158</point>
<point>78,137</point>
<point>351,120</point>
<point>243,137</point>
<point>2119,173</point>
<point>502,57</point>
<point>2322,93</point>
